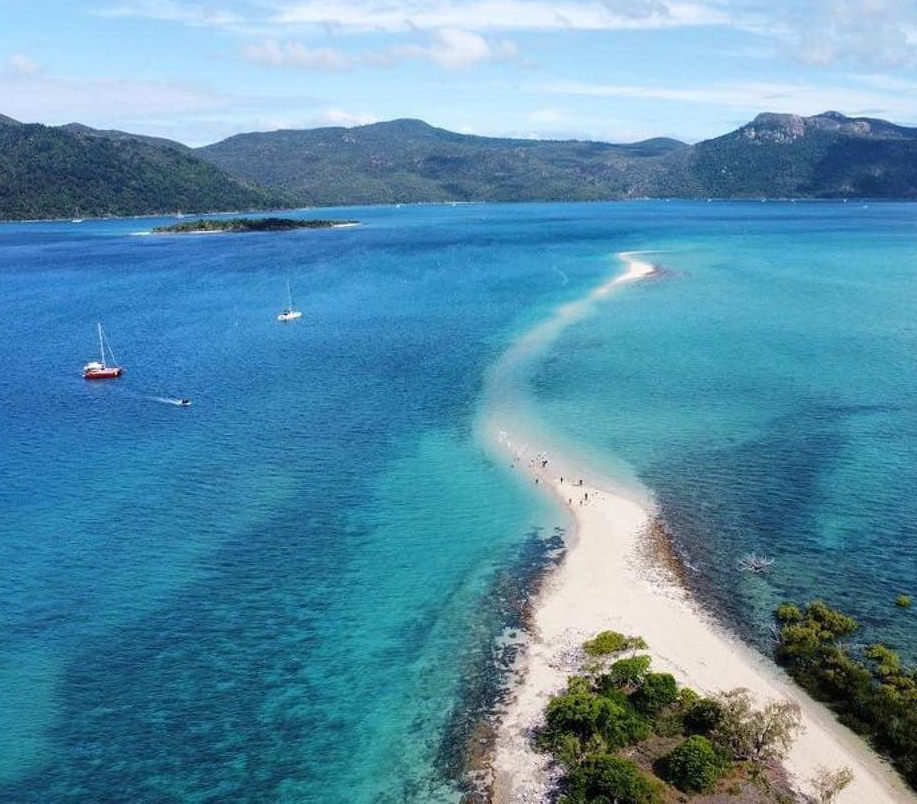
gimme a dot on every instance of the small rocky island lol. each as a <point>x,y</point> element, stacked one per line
<point>202,225</point>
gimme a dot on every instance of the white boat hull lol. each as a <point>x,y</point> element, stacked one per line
<point>290,316</point>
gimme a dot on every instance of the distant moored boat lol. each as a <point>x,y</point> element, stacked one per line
<point>99,369</point>
<point>290,313</point>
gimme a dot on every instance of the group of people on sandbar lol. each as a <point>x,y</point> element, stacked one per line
<point>538,464</point>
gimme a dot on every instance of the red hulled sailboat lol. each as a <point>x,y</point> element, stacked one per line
<point>99,369</point>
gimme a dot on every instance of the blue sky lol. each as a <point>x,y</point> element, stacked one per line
<point>617,70</point>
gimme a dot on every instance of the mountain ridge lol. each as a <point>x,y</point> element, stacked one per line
<point>62,171</point>
<point>51,171</point>
<point>775,155</point>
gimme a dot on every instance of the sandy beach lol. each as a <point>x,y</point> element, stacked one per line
<point>609,579</point>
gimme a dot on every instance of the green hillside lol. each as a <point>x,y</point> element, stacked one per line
<point>824,156</point>
<point>408,160</point>
<point>50,172</point>
<point>61,171</point>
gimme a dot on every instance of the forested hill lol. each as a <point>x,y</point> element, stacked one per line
<point>782,155</point>
<point>408,160</point>
<point>69,170</point>
<point>52,172</point>
<point>776,155</point>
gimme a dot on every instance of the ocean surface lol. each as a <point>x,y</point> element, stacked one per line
<point>299,588</point>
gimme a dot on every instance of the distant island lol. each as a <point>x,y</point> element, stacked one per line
<point>202,225</point>
<point>74,171</point>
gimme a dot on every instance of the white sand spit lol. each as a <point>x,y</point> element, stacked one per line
<point>609,580</point>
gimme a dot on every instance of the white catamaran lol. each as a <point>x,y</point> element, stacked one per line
<point>290,313</point>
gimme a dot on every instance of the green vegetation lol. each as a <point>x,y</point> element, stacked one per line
<point>825,156</point>
<point>695,766</point>
<point>630,672</point>
<point>657,691</point>
<point>68,170</point>
<point>704,716</point>
<point>602,777</point>
<point>903,601</point>
<point>409,161</point>
<point>872,692</point>
<point>609,642</point>
<point>63,172</point>
<point>246,225</point>
<point>623,733</point>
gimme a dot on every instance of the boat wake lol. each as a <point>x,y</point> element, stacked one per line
<point>172,400</point>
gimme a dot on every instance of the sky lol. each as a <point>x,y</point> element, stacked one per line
<point>613,70</point>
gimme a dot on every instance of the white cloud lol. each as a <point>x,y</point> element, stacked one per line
<point>33,95</point>
<point>190,113</point>
<point>885,82</point>
<point>342,117</point>
<point>455,48</point>
<point>813,32</point>
<point>545,117</point>
<point>452,48</point>
<point>637,9</point>
<point>750,97</point>
<point>19,63</point>
<point>869,32</point>
<point>172,11</point>
<point>402,15</point>
<point>601,124</point>
<point>271,53</point>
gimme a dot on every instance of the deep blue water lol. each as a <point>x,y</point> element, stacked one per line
<point>290,590</point>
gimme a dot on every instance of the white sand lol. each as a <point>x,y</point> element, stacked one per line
<point>608,580</point>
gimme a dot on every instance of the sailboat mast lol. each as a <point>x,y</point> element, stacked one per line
<point>289,294</point>
<point>101,344</point>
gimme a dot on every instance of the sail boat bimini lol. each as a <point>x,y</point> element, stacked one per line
<point>290,313</point>
<point>99,369</point>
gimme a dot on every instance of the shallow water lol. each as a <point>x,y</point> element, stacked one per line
<point>765,389</point>
<point>291,589</point>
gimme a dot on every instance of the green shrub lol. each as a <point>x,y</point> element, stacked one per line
<point>876,696</point>
<point>788,613</point>
<point>608,642</point>
<point>704,716</point>
<point>687,698</point>
<point>604,777</point>
<point>579,684</point>
<point>830,620</point>
<point>903,601</point>
<point>629,672</point>
<point>625,727</point>
<point>567,750</point>
<point>657,691</point>
<point>695,765</point>
<point>886,661</point>
<point>669,722</point>
<point>607,689</point>
<point>576,713</point>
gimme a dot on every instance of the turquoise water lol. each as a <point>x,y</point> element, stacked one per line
<point>765,390</point>
<point>293,589</point>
